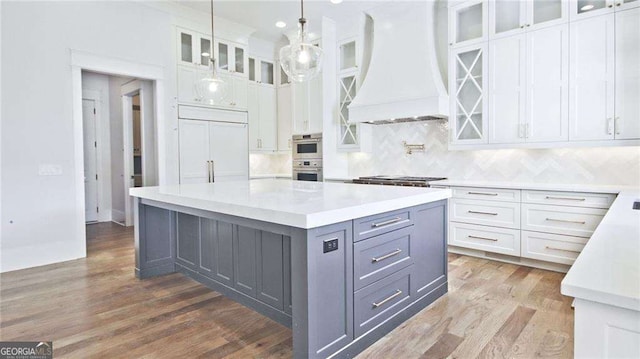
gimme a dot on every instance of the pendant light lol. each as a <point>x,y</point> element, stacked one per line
<point>212,89</point>
<point>300,60</point>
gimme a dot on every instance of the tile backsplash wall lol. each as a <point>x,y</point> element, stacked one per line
<point>269,164</point>
<point>602,165</point>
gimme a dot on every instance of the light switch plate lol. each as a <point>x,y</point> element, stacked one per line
<point>49,170</point>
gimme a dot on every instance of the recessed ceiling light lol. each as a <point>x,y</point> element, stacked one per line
<point>587,7</point>
<point>281,24</point>
<point>336,1</point>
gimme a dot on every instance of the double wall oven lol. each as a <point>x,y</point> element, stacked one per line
<point>307,157</point>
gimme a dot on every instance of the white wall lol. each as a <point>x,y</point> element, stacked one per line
<point>38,211</point>
<point>593,165</point>
<point>100,83</point>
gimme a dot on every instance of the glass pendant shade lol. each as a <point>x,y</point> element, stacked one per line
<point>212,90</point>
<point>301,61</point>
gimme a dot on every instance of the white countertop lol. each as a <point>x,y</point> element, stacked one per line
<point>608,269</point>
<point>292,203</point>
<point>271,175</point>
<point>535,186</point>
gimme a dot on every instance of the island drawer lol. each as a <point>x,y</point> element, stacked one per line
<point>488,194</point>
<point>489,239</point>
<point>552,247</point>
<point>576,199</point>
<point>381,300</point>
<point>572,221</point>
<point>381,256</point>
<point>499,214</point>
<point>375,225</point>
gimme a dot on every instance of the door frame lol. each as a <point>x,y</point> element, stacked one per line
<point>79,61</point>
<point>95,96</point>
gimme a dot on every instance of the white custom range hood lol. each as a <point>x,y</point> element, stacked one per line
<point>403,81</point>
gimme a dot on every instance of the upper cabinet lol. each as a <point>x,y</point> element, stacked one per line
<point>231,57</point>
<point>193,48</point>
<point>261,71</point>
<point>580,9</point>
<point>508,17</point>
<point>468,23</point>
<point>348,134</point>
<point>627,69</point>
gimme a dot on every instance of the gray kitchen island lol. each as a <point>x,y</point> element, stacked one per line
<point>340,264</point>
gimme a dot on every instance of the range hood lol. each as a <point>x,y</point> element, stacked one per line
<point>402,81</point>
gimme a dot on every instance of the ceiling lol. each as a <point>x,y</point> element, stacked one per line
<point>263,14</point>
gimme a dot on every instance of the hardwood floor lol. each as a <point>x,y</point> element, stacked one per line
<point>95,307</point>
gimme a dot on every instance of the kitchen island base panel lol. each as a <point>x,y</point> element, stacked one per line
<point>301,278</point>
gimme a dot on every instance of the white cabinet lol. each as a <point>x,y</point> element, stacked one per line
<point>188,75</point>
<point>231,57</point>
<point>307,106</point>
<point>468,23</point>
<point>508,17</point>
<point>348,84</point>
<point>468,112</point>
<point>547,79</point>
<point>591,101</point>
<point>580,9</point>
<point>262,118</point>
<point>213,151</point>
<point>261,71</point>
<point>627,69</point>
<point>284,118</point>
<point>193,48</point>
<point>605,77</point>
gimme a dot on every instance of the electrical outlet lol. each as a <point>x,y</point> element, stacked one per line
<point>49,170</point>
<point>329,245</point>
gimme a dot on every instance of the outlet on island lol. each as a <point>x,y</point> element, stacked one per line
<point>330,245</point>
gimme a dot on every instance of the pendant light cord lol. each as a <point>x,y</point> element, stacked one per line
<point>302,21</point>
<point>211,59</point>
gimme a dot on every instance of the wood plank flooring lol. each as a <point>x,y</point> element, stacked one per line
<point>96,308</point>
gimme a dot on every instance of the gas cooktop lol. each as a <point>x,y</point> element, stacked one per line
<point>398,180</point>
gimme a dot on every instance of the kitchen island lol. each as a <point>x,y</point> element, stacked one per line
<point>340,264</point>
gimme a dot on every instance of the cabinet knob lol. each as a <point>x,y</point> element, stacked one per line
<point>522,26</point>
<point>610,5</point>
<point>618,4</point>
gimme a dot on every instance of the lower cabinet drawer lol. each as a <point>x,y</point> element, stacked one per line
<point>377,257</point>
<point>489,239</point>
<point>571,221</point>
<point>378,224</point>
<point>379,301</point>
<point>486,213</point>
<point>552,247</point>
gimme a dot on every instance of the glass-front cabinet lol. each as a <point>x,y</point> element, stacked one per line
<point>261,71</point>
<point>193,48</point>
<point>586,8</point>
<point>508,17</point>
<point>348,134</point>
<point>468,22</point>
<point>467,94</point>
<point>231,57</point>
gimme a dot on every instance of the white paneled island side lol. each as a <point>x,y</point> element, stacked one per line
<point>340,264</point>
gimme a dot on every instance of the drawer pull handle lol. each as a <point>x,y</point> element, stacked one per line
<point>488,213</point>
<point>483,193</point>
<point>560,249</point>
<point>565,221</point>
<point>485,238</point>
<point>386,223</point>
<point>394,253</point>
<point>567,198</point>
<point>397,293</point>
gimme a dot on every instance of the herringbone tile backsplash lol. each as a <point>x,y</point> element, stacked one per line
<point>604,165</point>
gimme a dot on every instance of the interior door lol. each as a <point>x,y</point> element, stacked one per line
<point>229,150</point>
<point>194,151</point>
<point>90,161</point>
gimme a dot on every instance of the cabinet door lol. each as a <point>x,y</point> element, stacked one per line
<point>186,47</point>
<point>194,151</point>
<point>216,250</point>
<point>284,118</point>
<point>267,75</point>
<point>315,105</point>
<point>253,111</point>
<point>506,17</point>
<point>268,120</point>
<point>187,76</point>
<point>548,84</point>
<point>223,55</point>
<point>229,151</point>
<point>286,259</point>
<point>270,281</point>
<point>188,241</point>
<point>203,51</point>
<point>507,89</point>
<point>239,93</point>
<point>468,22</point>
<point>468,68</point>
<point>429,248</point>
<point>581,9</point>
<point>627,74</point>
<point>591,79</point>
<point>300,104</point>
<point>239,60</point>
<point>546,13</point>
<point>622,5</point>
<point>244,258</point>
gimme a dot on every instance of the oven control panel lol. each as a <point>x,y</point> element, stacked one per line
<point>307,163</point>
